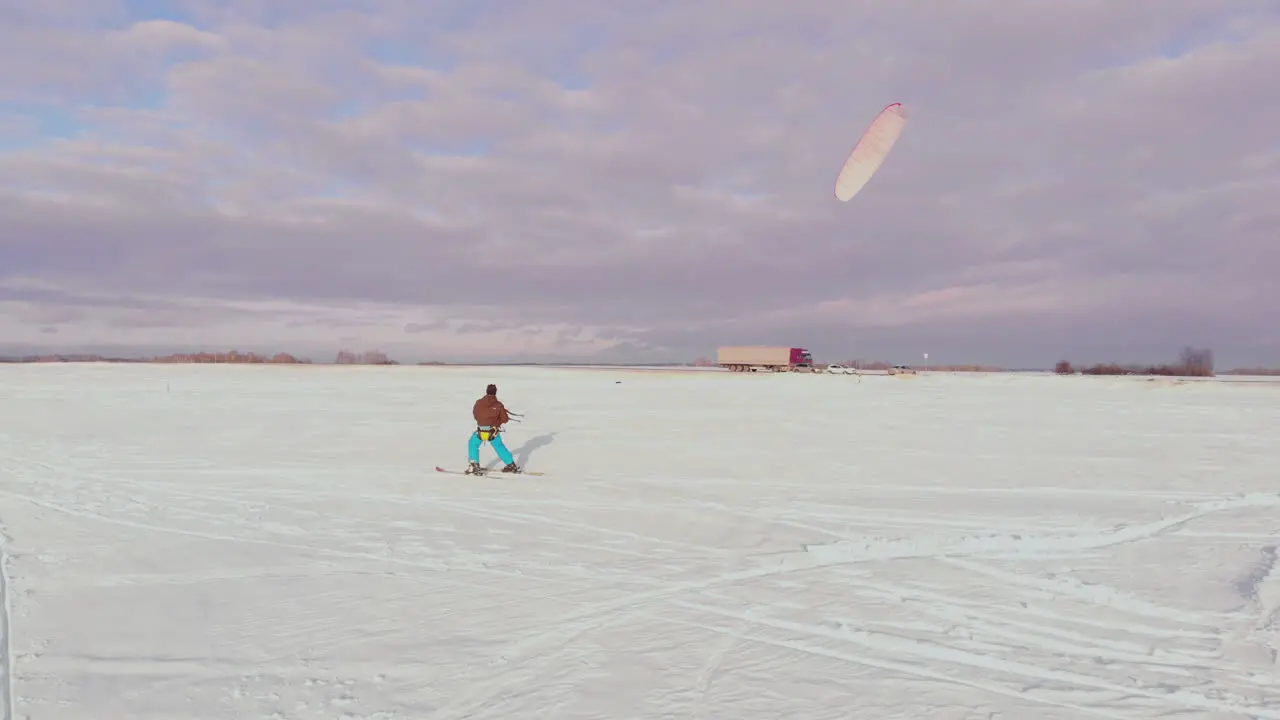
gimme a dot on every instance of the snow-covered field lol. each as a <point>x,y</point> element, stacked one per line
<point>271,542</point>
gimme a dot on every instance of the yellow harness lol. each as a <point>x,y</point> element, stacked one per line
<point>487,435</point>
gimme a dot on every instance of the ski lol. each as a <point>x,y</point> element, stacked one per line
<point>487,473</point>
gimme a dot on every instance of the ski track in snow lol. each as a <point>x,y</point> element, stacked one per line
<point>272,543</point>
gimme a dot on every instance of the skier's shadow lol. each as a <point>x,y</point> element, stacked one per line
<point>523,452</point>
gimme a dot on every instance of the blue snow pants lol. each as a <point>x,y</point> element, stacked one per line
<point>473,448</point>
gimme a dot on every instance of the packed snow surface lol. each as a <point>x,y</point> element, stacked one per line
<point>272,542</point>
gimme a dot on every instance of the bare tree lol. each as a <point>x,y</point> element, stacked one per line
<point>1196,362</point>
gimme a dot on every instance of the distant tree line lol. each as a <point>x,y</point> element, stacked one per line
<point>231,357</point>
<point>1193,362</point>
<point>368,357</point>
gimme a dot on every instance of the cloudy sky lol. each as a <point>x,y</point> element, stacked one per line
<point>1090,180</point>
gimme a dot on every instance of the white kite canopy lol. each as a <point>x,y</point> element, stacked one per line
<point>872,148</point>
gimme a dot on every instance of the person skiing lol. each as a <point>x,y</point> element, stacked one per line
<point>490,415</point>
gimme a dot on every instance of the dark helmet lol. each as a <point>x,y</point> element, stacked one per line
<point>491,390</point>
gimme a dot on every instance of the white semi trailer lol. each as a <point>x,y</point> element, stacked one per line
<point>769,359</point>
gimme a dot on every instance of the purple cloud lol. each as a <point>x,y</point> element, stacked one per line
<point>1093,180</point>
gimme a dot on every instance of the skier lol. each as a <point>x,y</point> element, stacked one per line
<point>490,415</point>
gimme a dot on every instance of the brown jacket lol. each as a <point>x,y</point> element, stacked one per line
<point>490,411</point>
